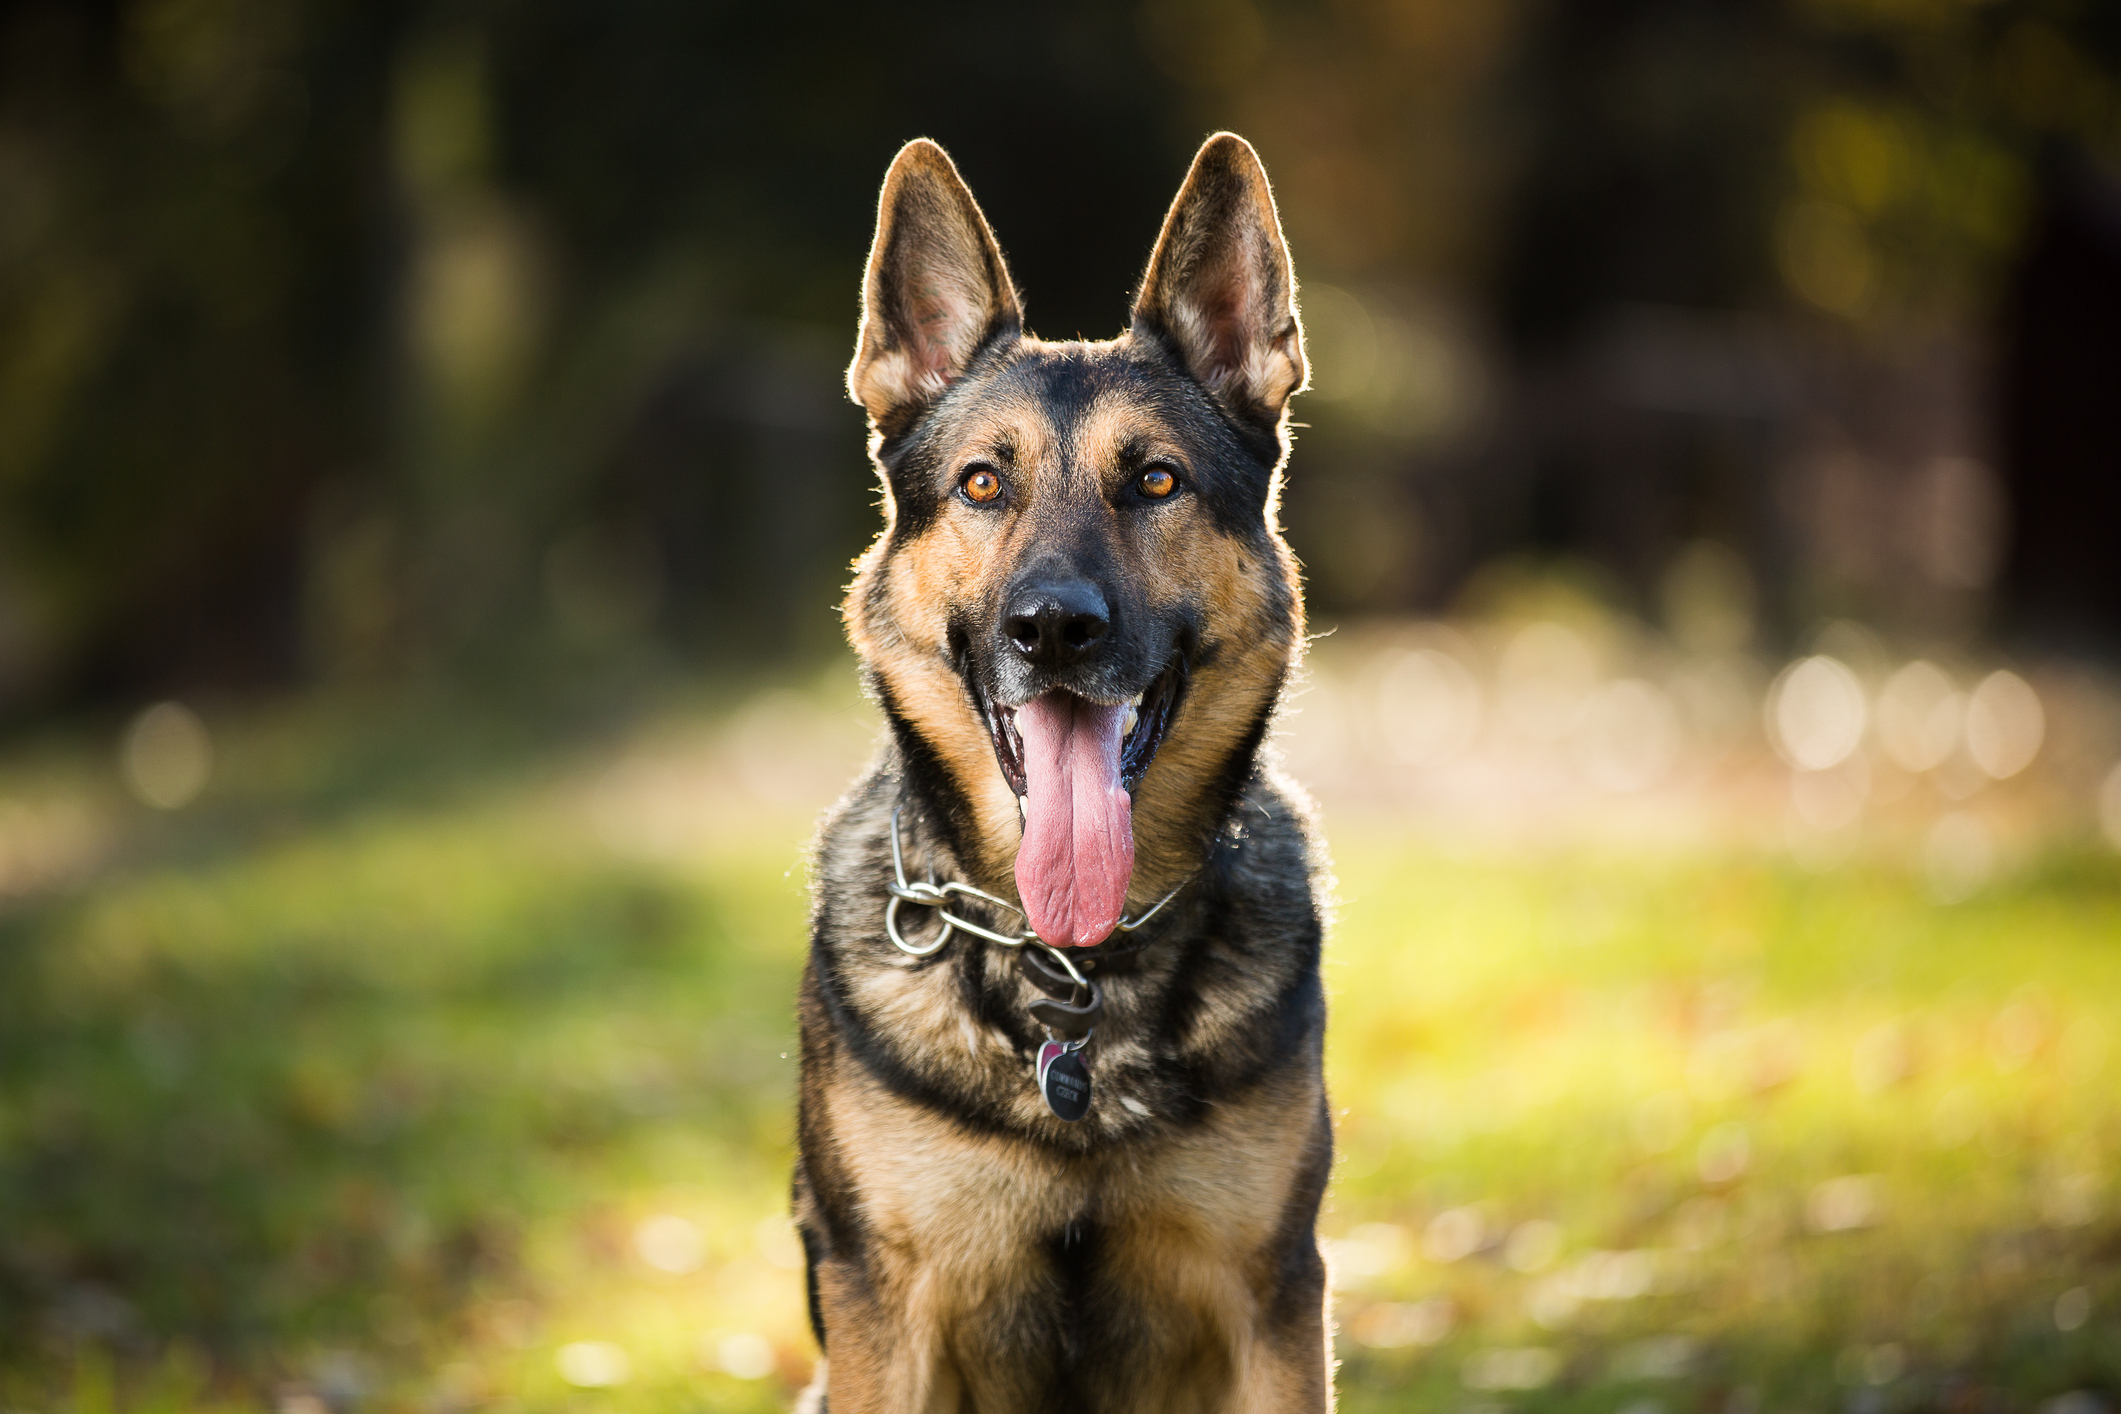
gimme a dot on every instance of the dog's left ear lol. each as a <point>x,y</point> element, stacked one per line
<point>1219,289</point>
<point>936,289</point>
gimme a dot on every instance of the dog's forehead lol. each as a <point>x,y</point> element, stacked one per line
<point>1079,403</point>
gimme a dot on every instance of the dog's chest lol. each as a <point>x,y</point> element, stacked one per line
<point>989,1216</point>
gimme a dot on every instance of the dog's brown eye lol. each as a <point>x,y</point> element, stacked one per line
<point>1158,482</point>
<point>981,484</point>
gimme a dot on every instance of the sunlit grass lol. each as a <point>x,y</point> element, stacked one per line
<point>1716,1124</point>
<point>375,1111</point>
<point>403,1097</point>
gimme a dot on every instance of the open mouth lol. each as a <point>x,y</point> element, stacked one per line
<point>1074,764</point>
<point>1147,718</point>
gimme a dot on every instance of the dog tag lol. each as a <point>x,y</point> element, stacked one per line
<point>1064,1081</point>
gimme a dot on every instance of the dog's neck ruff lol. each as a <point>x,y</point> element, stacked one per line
<point>1068,1005</point>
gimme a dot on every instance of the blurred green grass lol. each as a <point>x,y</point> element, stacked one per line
<point>1718,1129</point>
<point>374,1085</point>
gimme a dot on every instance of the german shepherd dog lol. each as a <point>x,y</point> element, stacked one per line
<point>1063,1123</point>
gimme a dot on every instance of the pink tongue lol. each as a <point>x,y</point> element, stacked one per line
<point>1078,851</point>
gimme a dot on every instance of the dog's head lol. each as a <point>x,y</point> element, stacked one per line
<point>1080,599</point>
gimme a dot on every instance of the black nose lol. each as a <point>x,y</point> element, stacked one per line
<point>1055,622</point>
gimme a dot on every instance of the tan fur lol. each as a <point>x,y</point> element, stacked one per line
<point>955,1218</point>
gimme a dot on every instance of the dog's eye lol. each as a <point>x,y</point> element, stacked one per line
<point>1158,482</point>
<point>981,484</point>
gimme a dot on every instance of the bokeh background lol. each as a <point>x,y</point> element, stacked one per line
<point>425,485</point>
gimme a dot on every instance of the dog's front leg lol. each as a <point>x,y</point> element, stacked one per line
<point>1288,1369</point>
<point>883,1351</point>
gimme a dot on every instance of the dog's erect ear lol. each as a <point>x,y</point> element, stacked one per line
<point>936,290</point>
<point>1219,287</point>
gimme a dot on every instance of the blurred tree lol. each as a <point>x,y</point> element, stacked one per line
<point>192,272</point>
<point>2061,443</point>
<point>338,340</point>
<point>342,338</point>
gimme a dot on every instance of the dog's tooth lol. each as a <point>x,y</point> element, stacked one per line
<point>1132,720</point>
<point>1023,807</point>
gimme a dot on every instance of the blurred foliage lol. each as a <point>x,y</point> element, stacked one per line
<point>1877,158</point>
<point>380,1087</point>
<point>344,341</point>
<point>1915,172</point>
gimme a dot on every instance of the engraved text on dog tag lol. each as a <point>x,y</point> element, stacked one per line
<point>1064,1081</point>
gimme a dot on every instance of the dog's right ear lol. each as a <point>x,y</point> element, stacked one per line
<point>1219,289</point>
<point>936,291</point>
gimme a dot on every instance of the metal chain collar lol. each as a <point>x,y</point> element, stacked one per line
<point>936,896</point>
